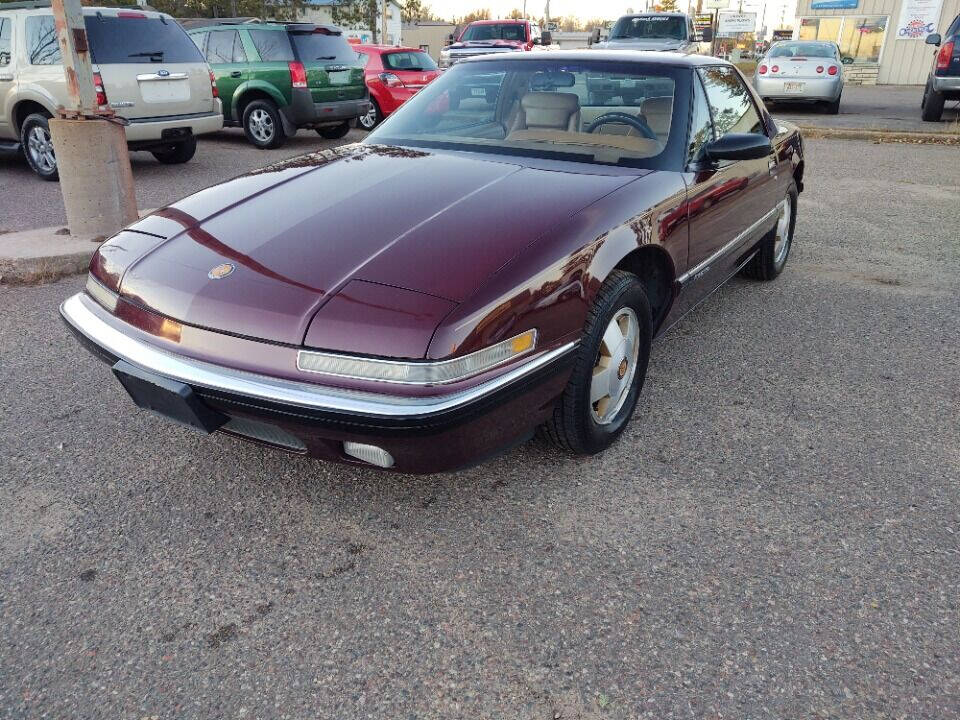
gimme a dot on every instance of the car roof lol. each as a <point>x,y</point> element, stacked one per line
<point>627,56</point>
<point>386,48</point>
<point>507,21</point>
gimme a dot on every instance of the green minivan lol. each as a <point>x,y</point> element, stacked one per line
<point>275,78</point>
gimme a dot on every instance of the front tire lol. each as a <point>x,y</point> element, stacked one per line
<point>178,153</point>
<point>931,107</point>
<point>774,250</point>
<point>38,146</point>
<point>609,370</point>
<point>336,132</point>
<point>263,125</point>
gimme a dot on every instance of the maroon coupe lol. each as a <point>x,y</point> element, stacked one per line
<point>496,257</point>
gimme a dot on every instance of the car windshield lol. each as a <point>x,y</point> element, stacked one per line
<point>322,45</point>
<point>603,112</point>
<point>650,27</point>
<point>408,60</point>
<point>825,50</point>
<point>495,31</point>
<point>132,37</point>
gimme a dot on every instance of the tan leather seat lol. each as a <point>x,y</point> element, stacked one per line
<point>548,111</point>
<point>658,112</point>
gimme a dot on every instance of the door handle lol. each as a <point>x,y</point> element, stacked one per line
<point>236,74</point>
<point>772,166</point>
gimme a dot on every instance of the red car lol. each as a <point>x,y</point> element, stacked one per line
<point>394,75</point>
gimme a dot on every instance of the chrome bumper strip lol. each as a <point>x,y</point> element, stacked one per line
<point>287,392</point>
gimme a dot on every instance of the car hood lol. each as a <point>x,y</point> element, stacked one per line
<point>260,255</point>
<point>640,45</point>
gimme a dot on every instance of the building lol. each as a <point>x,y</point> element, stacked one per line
<point>881,41</point>
<point>321,11</point>
<point>428,35</point>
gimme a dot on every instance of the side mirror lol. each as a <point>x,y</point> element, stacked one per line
<point>933,39</point>
<point>846,60</point>
<point>706,35</point>
<point>451,37</point>
<point>738,146</point>
<point>596,35</point>
<point>546,37</point>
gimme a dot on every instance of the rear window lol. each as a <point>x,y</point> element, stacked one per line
<point>272,45</point>
<point>136,38</point>
<point>314,46</point>
<point>824,50</point>
<point>409,61</point>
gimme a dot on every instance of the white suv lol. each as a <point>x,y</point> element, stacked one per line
<point>146,68</point>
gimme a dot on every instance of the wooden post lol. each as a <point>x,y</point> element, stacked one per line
<point>384,27</point>
<point>72,36</point>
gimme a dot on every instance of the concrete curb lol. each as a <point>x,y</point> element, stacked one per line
<point>815,132</point>
<point>43,255</point>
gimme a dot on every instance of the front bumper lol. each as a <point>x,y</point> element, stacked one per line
<point>151,129</point>
<point>946,83</point>
<point>814,89</point>
<point>423,434</point>
<point>304,112</point>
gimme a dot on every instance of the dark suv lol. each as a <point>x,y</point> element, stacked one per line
<point>275,78</point>
<point>943,82</point>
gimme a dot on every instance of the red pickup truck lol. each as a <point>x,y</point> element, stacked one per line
<point>483,37</point>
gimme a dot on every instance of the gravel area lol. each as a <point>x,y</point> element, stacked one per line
<point>777,535</point>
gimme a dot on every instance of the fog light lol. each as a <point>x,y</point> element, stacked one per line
<point>369,454</point>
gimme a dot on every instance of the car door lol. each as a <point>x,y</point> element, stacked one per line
<point>730,203</point>
<point>7,81</point>
<point>228,60</point>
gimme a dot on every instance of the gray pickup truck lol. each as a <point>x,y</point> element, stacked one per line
<point>667,32</point>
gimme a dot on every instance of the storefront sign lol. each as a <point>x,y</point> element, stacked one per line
<point>918,18</point>
<point>703,21</point>
<point>783,35</point>
<point>834,4</point>
<point>731,23</point>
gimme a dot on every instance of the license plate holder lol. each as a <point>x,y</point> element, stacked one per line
<point>793,87</point>
<point>171,399</point>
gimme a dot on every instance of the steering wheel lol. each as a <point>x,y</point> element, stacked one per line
<point>633,121</point>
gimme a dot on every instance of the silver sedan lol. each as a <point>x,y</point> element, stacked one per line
<point>801,71</point>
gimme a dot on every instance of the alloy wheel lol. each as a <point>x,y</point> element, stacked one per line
<point>781,243</point>
<point>40,147</point>
<point>261,125</point>
<point>615,367</point>
<point>368,121</point>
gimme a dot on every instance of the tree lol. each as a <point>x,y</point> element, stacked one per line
<point>481,14</point>
<point>515,14</point>
<point>357,14</point>
<point>414,10</point>
<point>666,6</point>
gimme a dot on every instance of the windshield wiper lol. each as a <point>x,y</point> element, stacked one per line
<point>327,57</point>
<point>156,53</point>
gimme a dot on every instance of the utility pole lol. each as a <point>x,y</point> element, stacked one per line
<point>384,28</point>
<point>90,146</point>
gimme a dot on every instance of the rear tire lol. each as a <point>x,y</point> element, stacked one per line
<point>177,153</point>
<point>832,107</point>
<point>263,125</point>
<point>373,118</point>
<point>931,107</point>
<point>38,146</point>
<point>336,132</point>
<point>607,362</point>
<point>774,250</point>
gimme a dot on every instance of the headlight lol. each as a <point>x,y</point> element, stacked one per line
<point>417,373</point>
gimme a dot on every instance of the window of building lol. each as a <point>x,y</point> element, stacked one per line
<point>860,37</point>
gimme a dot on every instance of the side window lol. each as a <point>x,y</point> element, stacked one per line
<point>730,101</point>
<point>5,47</point>
<point>239,54</point>
<point>42,45</point>
<point>363,59</point>
<point>701,126</point>
<point>199,39</point>
<point>272,45</point>
<point>220,47</point>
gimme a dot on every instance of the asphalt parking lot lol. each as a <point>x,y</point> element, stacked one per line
<point>776,536</point>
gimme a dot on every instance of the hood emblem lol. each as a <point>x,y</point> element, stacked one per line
<point>221,271</point>
<point>163,73</point>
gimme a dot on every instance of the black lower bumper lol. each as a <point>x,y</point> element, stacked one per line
<point>304,112</point>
